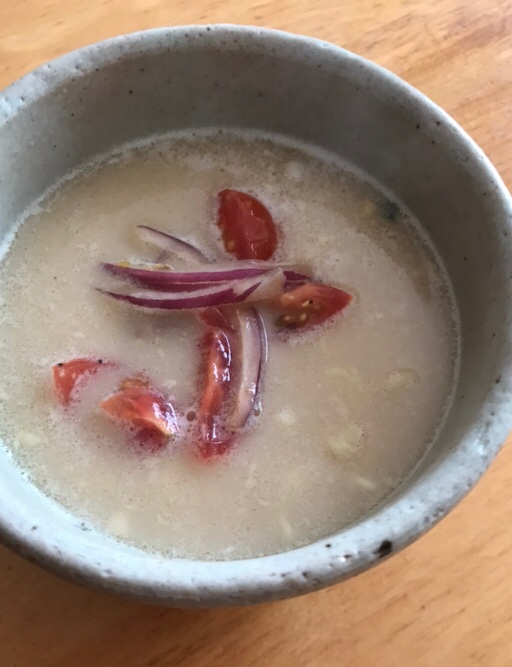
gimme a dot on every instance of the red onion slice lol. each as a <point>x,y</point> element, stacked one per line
<point>252,352</point>
<point>260,288</point>
<point>163,280</point>
<point>172,244</point>
<point>263,341</point>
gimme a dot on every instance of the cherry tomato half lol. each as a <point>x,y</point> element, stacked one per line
<point>248,230</point>
<point>69,375</point>
<point>145,409</point>
<point>310,304</point>
<point>217,379</point>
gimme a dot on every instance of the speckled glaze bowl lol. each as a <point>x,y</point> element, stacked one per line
<point>105,95</point>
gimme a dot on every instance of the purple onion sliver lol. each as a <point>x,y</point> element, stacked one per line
<point>266,287</point>
<point>294,279</point>
<point>264,358</point>
<point>263,339</point>
<point>152,280</point>
<point>250,356</point>
<point>270,286</point>
<point>172,244</point>
<point>164,280</point>
<point>224,297</point>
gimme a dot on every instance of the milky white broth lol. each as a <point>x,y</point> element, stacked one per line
<point>348,410</point>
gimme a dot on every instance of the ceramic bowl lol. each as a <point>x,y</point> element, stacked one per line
<point>90,101</point>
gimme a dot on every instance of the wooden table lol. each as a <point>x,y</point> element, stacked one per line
<point>447,600</point>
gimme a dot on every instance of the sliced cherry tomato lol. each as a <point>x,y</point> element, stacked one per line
<point>248,230</point>
<point>213,440</point>
<point>310,304</point>
<point>145,409</point>
<point>69,375</point>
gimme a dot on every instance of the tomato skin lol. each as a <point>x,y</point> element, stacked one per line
<point>213,441</point>
<point>248,230</point>
<point>68,376</point>
<point>309,305</point>
<point>145,409</point>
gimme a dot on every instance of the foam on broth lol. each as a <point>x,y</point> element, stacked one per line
<point>348,411</point>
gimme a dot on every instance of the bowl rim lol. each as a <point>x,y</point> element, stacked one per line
<point>206,583</point>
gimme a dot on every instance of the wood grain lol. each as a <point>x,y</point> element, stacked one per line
<point>446,599</point>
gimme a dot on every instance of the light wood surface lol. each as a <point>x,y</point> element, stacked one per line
<point>447,600</point>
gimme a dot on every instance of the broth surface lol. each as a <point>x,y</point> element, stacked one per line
<point>348,410</point>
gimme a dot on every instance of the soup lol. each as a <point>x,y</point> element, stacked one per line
<point>345,410</point>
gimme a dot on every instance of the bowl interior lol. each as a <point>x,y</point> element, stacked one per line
<point>104,96</point>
